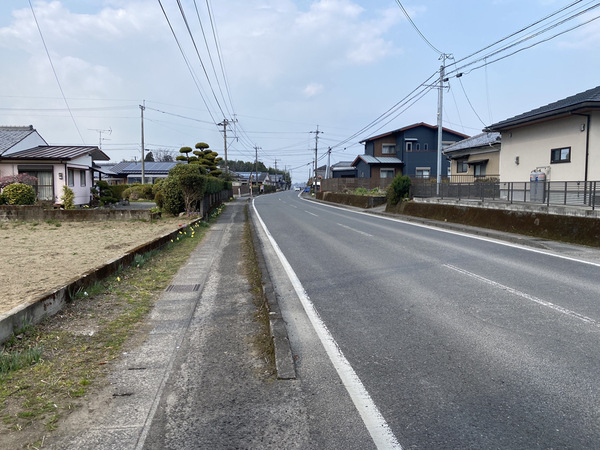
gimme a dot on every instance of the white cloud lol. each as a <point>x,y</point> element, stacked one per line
<point>313,89</point>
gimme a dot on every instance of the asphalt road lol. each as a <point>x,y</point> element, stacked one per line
<point>459,341</point>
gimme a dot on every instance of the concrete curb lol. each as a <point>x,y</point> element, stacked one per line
<point>51,303</point>
<point>284,360</point>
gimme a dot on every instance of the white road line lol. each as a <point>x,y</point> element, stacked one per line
<point>312,214</point>
<point>537,300</point>
<point>355,230</point>
<point>380,432</point>
<point>464,234</point>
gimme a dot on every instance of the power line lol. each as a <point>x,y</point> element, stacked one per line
<point>417,29</point>
<point>54,71</point>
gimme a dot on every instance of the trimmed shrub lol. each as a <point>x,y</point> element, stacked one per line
<point>398,190</point>
<point>117,190</point>
<point>19,194</point>
<point>159,199</point>
<point>172,196</point>
<point>68,198</point>
<point>3,200</point>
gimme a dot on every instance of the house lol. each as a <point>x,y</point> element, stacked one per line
<point>474,158</point>
<point>560,140</point>
<point>276,180</point>
<point>411,151</point>
<point>55,167</point>
<point>343,169</point>
<point>129,172</point>
<point>14,139</point>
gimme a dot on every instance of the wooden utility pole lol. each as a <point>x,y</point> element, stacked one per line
<point>142,108</point>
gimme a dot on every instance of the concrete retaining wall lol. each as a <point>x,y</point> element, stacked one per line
<point>37,213</point>
<point>359,201</point>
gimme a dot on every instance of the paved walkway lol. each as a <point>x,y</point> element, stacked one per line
<point>196,381</point>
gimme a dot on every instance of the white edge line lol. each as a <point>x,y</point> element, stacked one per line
<point>471,236</point>
<point>380,432</point>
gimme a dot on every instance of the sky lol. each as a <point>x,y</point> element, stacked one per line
<point>279,70</point>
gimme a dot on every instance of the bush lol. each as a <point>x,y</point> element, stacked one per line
<point>159,199</point>
<point>103,194</point>
<point>172,196</point>
<point>19,194</point>
<point>3,200</point>
<point>68,197</point>
<point>117,190</point>
<point>398,190</point>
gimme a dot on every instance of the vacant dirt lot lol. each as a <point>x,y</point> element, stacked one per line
<point>39,257</point>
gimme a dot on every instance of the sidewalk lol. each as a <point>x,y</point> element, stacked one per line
<point>195,381</point>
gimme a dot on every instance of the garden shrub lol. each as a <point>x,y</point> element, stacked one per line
<point>159,199</point>
<point>172,196</point>
<point>103,194</point>
<point>398,190</point>
<point>117,190</point>
<point>68,198</point>
<point>19,194</point>
<point>3,200</point>
<point>361,191</point>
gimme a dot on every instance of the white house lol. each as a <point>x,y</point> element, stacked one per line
<point>55,167</point>
<point>562,139</point>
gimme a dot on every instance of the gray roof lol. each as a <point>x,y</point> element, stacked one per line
<point>378,159</point>
<point>484,139</point>
<point>10,136</point>
<point>583,101</point>
<point>149,167</point>
<point>59,152</point>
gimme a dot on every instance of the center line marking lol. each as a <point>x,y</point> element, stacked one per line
<point>312,214</point>
<point>537,300</point>
<point>355,230</point>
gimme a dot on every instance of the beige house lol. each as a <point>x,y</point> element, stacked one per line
<point>560,140</point>
<point>475,158</point>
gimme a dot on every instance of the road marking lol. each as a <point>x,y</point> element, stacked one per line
<point>464,234</point>
<point>524,295</point>
<point>355,230</point>
<point>312,214</point>
<point>380,432</point>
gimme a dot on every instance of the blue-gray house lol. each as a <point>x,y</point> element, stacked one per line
<point>411,151</point>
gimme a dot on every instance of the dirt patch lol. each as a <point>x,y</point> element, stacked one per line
<point>38,257</point>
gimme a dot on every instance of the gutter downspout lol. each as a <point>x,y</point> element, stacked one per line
<point>587,153</point>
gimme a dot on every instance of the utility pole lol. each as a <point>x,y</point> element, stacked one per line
<point>224,125</point>
<point>316,153</point>
<point>142,108</point>
<point>328,172</point>
<point>255,169</point>
<point>440,125</point>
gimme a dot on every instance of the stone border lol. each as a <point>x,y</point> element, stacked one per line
<point>51,303</point>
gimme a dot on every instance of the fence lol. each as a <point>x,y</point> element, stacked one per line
<point>568,193</point>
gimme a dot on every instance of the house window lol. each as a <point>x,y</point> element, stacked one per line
<point>409,146</point>
<point>388,149</point>
<point>425,146</point>
<point>479,170</point>
<point>386,173</point>
<point>418,146</point>
<point>461,165</point>
<point>82,175</point>
<point>71,177</point>
<point>44,188</point>
<point>560,155</point>
<point>423,172</point>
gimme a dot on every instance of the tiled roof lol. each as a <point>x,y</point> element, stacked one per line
<point>9,136</point>
<point>481,140</point>
<point>583,100</point>
<point>377,159</point>
<point>58,152</point>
